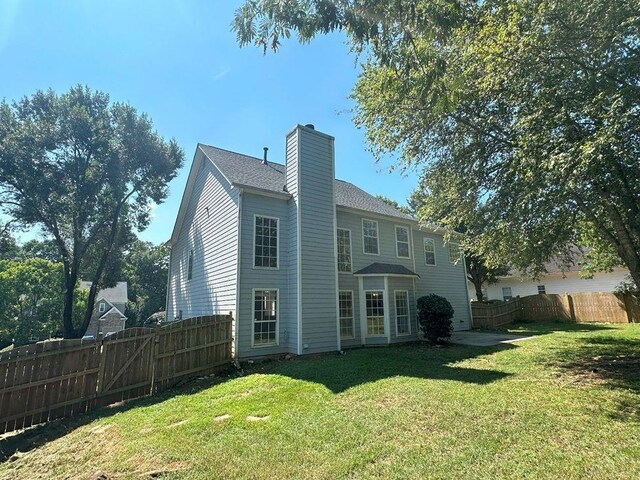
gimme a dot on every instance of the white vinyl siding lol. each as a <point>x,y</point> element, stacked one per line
<point>370,243</point>
<point>429,251</point>
<point>344,250</point>
<point>455,255</point>
<point>403,326</point>
<point>345,306</point>
<point>402,242</point>
<point>266,246</point>
<point>374,304</point>
<point>265,317</point>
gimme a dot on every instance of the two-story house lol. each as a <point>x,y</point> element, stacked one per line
<point>305,263</point>
<point>108,311</point>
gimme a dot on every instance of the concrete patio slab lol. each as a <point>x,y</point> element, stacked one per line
<point>481,339</point>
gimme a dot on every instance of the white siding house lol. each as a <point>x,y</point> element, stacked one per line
<point>554,282</point>
<point>304,262</point>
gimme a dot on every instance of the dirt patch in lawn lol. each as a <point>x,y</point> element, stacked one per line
<point>602,369</point>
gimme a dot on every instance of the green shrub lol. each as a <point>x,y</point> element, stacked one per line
<point>435,314</point>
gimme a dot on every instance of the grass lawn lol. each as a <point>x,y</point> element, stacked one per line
<point>563,405</point>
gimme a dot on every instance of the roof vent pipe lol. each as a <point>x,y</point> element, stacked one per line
<point>311,126</point>
<point>264,160</point>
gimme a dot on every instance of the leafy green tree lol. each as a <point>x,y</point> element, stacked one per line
<point>394,204</point>
<point>30,299</point>
<point>85,171</point>
<point>45,249</point>
<point>526,107</point>
<point>146,270</point>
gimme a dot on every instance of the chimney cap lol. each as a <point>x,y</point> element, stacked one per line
<point>311,126</point>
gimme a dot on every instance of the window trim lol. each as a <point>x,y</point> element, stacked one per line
<point>459,261</point>
<point>253,317</point>
<point>353,315</point>
<point>377,237</point>
<point>253,243</point>
<point>395,229</point>
<point>350,250</point>
<point>366,317</point>
<point>395,307</point>
<point>435,258</point>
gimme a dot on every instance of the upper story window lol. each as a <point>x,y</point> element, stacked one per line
<point>429,251</point>
<point>344,250</point>
<point>102,307</point>
<point>190,265</point>
<point>402,242</point>
<point>266,242</point>
<point>455,254</point>
<point>506,293</point>
<point>370,237</point>
<point>542,289</point>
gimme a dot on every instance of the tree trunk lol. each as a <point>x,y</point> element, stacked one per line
<point>479,294</point>
<point>70,279</point>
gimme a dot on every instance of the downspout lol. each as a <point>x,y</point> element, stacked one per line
<point>466,290</point>
<point>238,263</point>
<point>166,300</point>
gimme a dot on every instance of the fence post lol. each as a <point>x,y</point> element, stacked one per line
<point>101,367</point>
<point>572,310</point>
<point>153,353</point>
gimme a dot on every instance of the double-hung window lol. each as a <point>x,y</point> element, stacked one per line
<point>345,306</point>
<point>344,250</point>
<point>429,251</point>
<point>266,242</point>
<point>102,307</point>
<point>375,312</point>
<point>455,254</point>
<point>265,317</point>
<point>542,289</point>
<point>370,237</point>
<point>506,293</point>
<point>402,242</point>
<point>402,312</point>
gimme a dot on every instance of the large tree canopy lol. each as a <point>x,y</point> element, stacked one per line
<point>529,108</point>
<point>86,172</point>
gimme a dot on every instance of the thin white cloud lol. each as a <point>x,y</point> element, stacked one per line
<point>221,74</point>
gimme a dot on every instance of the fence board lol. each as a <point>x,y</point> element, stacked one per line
<point>64,378</point>
<point>588,307</point>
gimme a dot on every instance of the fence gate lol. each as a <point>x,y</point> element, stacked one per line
<point>126,365</point>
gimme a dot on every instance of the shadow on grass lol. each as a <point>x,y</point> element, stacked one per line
<point>364,365</point>
<point>609,361</point>
<point>337,372</point>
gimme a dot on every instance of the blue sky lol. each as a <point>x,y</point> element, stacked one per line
<point>179,62</point>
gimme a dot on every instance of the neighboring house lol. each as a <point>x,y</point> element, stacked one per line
<point>556,280</point>
<point>108,311</point>
<point>305,263</point>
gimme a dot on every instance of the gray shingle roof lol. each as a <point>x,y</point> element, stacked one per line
<point>117,294</point>
<point>386,269</point>
<point>247,171</point>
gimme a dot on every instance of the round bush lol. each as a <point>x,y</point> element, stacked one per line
<point>435,314</point>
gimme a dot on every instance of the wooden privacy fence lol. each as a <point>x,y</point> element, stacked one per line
<point>487,315</point>
<point>587,307</point>
<point>62,378</point>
